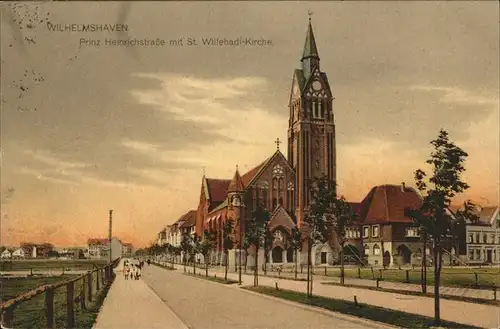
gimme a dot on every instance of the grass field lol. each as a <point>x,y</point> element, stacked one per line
<point>375,313</point>
<point>212,278</point>
<point>47,264</point>
<point>453,277</point>
<point>31,314</point>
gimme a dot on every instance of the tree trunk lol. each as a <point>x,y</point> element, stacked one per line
<point>342,274</point>
<point>296,262</point>
<point>185,261</point>
<point>246,260</point>
<point>265,261</point>
<point>309,268</point>
<point>226,264</point>
<point>255,272</point>
<point>206,265</point>
<point>308,272</point>
<point>424,268</point>
<point>437,260</point>
<point>194,263</point>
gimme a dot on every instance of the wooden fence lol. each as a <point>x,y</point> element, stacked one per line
<point>79,291</point>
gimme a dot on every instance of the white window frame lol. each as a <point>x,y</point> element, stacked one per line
<point>373,231</point>
<point>366,251</point>
<point>377,249</point>
<point>366,229</point>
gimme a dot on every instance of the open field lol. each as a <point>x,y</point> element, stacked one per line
<point>47,264</point>
<point>452,277</point>
<point>31,313</point>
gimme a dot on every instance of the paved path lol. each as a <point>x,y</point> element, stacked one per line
<point>202,304</point>
<point>132,304</point>
<point>484,316</point>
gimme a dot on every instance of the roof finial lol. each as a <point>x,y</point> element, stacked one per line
<point>310,14</point>
<point>277,142</point>
<point>236,167</point>
<point>203,170</point>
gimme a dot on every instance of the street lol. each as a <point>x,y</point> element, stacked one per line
<point>203,304</point>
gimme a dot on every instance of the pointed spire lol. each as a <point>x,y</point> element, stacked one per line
<point>236,184</point>
<point>310,49</point>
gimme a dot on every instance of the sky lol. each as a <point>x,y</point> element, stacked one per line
<point>85,129</point>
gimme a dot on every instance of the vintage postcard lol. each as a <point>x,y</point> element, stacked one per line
<point>250,164</point>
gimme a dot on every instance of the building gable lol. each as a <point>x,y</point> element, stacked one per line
<point>281,218</point>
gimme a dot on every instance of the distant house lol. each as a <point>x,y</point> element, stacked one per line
<point>482,237</point>
<point>98,248</point>
<point>18,253</point>
<point>6,254</point>
<point>127,250</point>
<point>37,250</point>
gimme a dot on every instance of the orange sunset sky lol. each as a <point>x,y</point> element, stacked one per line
<point>131,128</point>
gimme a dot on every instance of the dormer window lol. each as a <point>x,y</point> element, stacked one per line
<point>412,232</point>
<point>375,231</point>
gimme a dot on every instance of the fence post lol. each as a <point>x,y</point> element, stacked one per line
<point>89,285</point>
<point>378,283</point>
<point>373,273</point>
<point>380,274</point>
<point>49,307</point>
<point>70,299</point>
<point>407,276</point>
<point>494,291</point>
<point>359,273</point>
<point>63,271</point>
<point>98,274</point>
<point>82,295</point>
<point>8,318</point>
<point>325,270</point>
<point>477,280</point>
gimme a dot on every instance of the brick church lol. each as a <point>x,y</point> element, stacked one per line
<point>279,184</point>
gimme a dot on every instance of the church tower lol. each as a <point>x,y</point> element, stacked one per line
<point>311,128</point>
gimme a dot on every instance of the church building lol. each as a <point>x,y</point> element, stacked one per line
<point>280,184</point>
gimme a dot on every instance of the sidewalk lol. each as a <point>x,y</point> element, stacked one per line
<point>132,304</point>
<point>484,316</point>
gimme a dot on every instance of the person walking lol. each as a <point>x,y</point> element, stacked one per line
<point>138,273</point>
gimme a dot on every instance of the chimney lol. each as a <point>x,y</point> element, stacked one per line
<point>403,187</point>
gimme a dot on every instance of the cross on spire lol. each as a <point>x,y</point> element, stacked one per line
<point>277,142</point>
<point>310,14</point>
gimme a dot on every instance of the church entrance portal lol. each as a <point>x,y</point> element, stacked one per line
<point>277,255</point>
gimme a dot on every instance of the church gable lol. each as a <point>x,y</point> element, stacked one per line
<point>281,218</point>
<point>317,85</point>
<point>276,167</point>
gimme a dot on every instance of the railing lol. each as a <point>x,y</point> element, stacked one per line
<point>59,303</point>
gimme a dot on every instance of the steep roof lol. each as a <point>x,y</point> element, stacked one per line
<point>356,208</point>
<point>189,219</point>
<point>217,189</point>
<point>310,49</point>
<point>387,204</point>
<point>236,184</point>
<point>94,241</point>
<point>250,175</point>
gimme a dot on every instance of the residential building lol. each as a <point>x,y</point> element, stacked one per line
<point>482,243</point>
<point>6,254</point>
<point>98,248</point>
<point>18,254</point>
<point>127,250</point>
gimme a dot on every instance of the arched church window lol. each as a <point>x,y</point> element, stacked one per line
<point>236,201</point>
<point>278,236</point>
<point>289,186</point>
<point>277,171</point>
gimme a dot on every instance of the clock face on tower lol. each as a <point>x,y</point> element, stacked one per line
<point>316,85</point>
